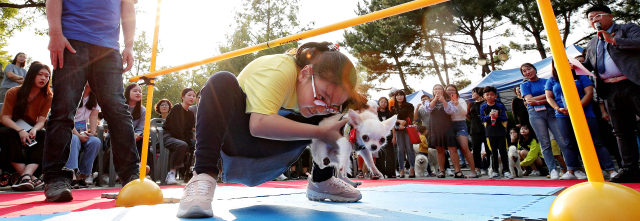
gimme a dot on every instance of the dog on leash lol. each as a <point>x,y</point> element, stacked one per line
<point>514,161</point>
<point>367,136</point>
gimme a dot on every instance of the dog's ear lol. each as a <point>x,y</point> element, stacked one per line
<point>354,118</point>
<point>390,123</point>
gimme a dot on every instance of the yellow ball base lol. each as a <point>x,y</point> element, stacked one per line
<point>596,201</point>
<point>137,193</point>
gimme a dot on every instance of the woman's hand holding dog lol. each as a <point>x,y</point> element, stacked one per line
<point>330,133</point>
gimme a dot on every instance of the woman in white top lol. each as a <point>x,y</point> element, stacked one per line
<point>84,138</point>
<point>460,126</point>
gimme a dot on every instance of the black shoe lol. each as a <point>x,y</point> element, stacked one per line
<point>58,191</point>
<point>627,176</point>
<point>74,184</point>
<point>130,178</point>
<point>294,175</point>
<point>82,184</point>
<point>463,165</point>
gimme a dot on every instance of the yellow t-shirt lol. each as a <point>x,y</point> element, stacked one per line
<point>424,148</point>
<point>270,83</point>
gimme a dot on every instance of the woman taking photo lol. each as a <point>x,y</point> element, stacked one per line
<point>460,126</point>
<point>163,107</point>
<point>178,134</point>
<point>541,116</point>
<point>14,74</point>
<point>404,110</point>
<point>24,113</point>
<point>441,132</point>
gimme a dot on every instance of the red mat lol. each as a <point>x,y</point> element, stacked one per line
<point>29,203</point>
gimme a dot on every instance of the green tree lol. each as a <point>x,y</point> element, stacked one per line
<point>387,46</point>
<point>525,14</point>
<point>15,16</point>
<point>260,21</point>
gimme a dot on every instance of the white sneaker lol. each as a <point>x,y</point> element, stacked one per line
<point>554,175</point>
<point>449,173</point>
<point>569,176</point>
<point>333,189</point>
<point>507,175</point>
<point>105,178</point>
<point>281,177</point>
<point>197,197</point>
<point>535,173</point>
<point>495,176</point>
<point>580,175</point>
<point>89,179</point>
<point>612,175</point>
<point>483,172</point>
<point>171,178</point>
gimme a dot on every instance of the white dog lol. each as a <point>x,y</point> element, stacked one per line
<point>514,161</point>
<point>421,165</point>
<point>370,136</point>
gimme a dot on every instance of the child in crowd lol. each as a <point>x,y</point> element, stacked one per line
<point>494,116</point>
<point>424,147</point>
<point>530,152</point>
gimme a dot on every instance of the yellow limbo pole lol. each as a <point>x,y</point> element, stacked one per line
<point>399,9</point>
<point>142,191</point>
<point>596,199</point>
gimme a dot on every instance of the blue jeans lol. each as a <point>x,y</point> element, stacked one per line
<point>405,147</point>
<point>571,151</point>
<point>102,68</point>
<point>90,147</point>
<point>542,122</point>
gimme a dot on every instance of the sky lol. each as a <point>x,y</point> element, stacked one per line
<point>192,32</point>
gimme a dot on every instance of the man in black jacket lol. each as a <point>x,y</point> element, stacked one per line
<point>614,55</point>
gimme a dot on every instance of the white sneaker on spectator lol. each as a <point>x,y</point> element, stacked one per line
<point>449,173</point>
<point>496,176</point>
<point>580,175</point>
<point>554,174</point>
<point>89,179</point>
<point>611,175</point>
<point>281,177</point>
<point>333,189</point>
<point>105,178</point>
<point>535,173</point>
<point>483,172</point>
<point>197,197</point>
<point>507,175</point>
<point>568,176</point>
<point>171,178</point>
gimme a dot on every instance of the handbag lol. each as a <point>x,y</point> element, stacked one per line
<point>414,135</point>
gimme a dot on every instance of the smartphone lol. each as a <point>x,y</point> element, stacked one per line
<point>33,142</point>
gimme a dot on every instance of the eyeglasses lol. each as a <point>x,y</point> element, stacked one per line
<point>597,17</point>
<point>164,105</point>
<point>319,102</point>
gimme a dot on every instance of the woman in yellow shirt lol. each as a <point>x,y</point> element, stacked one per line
<point>260,122</point>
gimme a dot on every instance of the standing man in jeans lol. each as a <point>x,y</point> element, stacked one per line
<point>613,56</point>
<point>84,47</point>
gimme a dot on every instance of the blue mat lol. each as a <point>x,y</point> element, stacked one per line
<point>399,202</point>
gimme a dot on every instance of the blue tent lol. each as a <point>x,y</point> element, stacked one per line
<point>415,97</point>
<point>506,80</point>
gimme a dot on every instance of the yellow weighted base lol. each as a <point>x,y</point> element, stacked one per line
<point>596,201</point>
<point>137,193</point>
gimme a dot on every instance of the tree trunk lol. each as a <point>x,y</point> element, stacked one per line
<point>433,59</point>
<point>478,45</point>
<point>444,58</point>
<point>401,73</point>
<point>567,27</point>
<point>539,45</point>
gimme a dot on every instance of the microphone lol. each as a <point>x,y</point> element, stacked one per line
<point>599,28</point>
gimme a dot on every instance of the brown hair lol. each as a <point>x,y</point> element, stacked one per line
<point>185,91</point>
<point>330,65</point>
<point>23,92</point>
<point>160,103</point>
<point>15,60</point>
<point>454,87</point>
